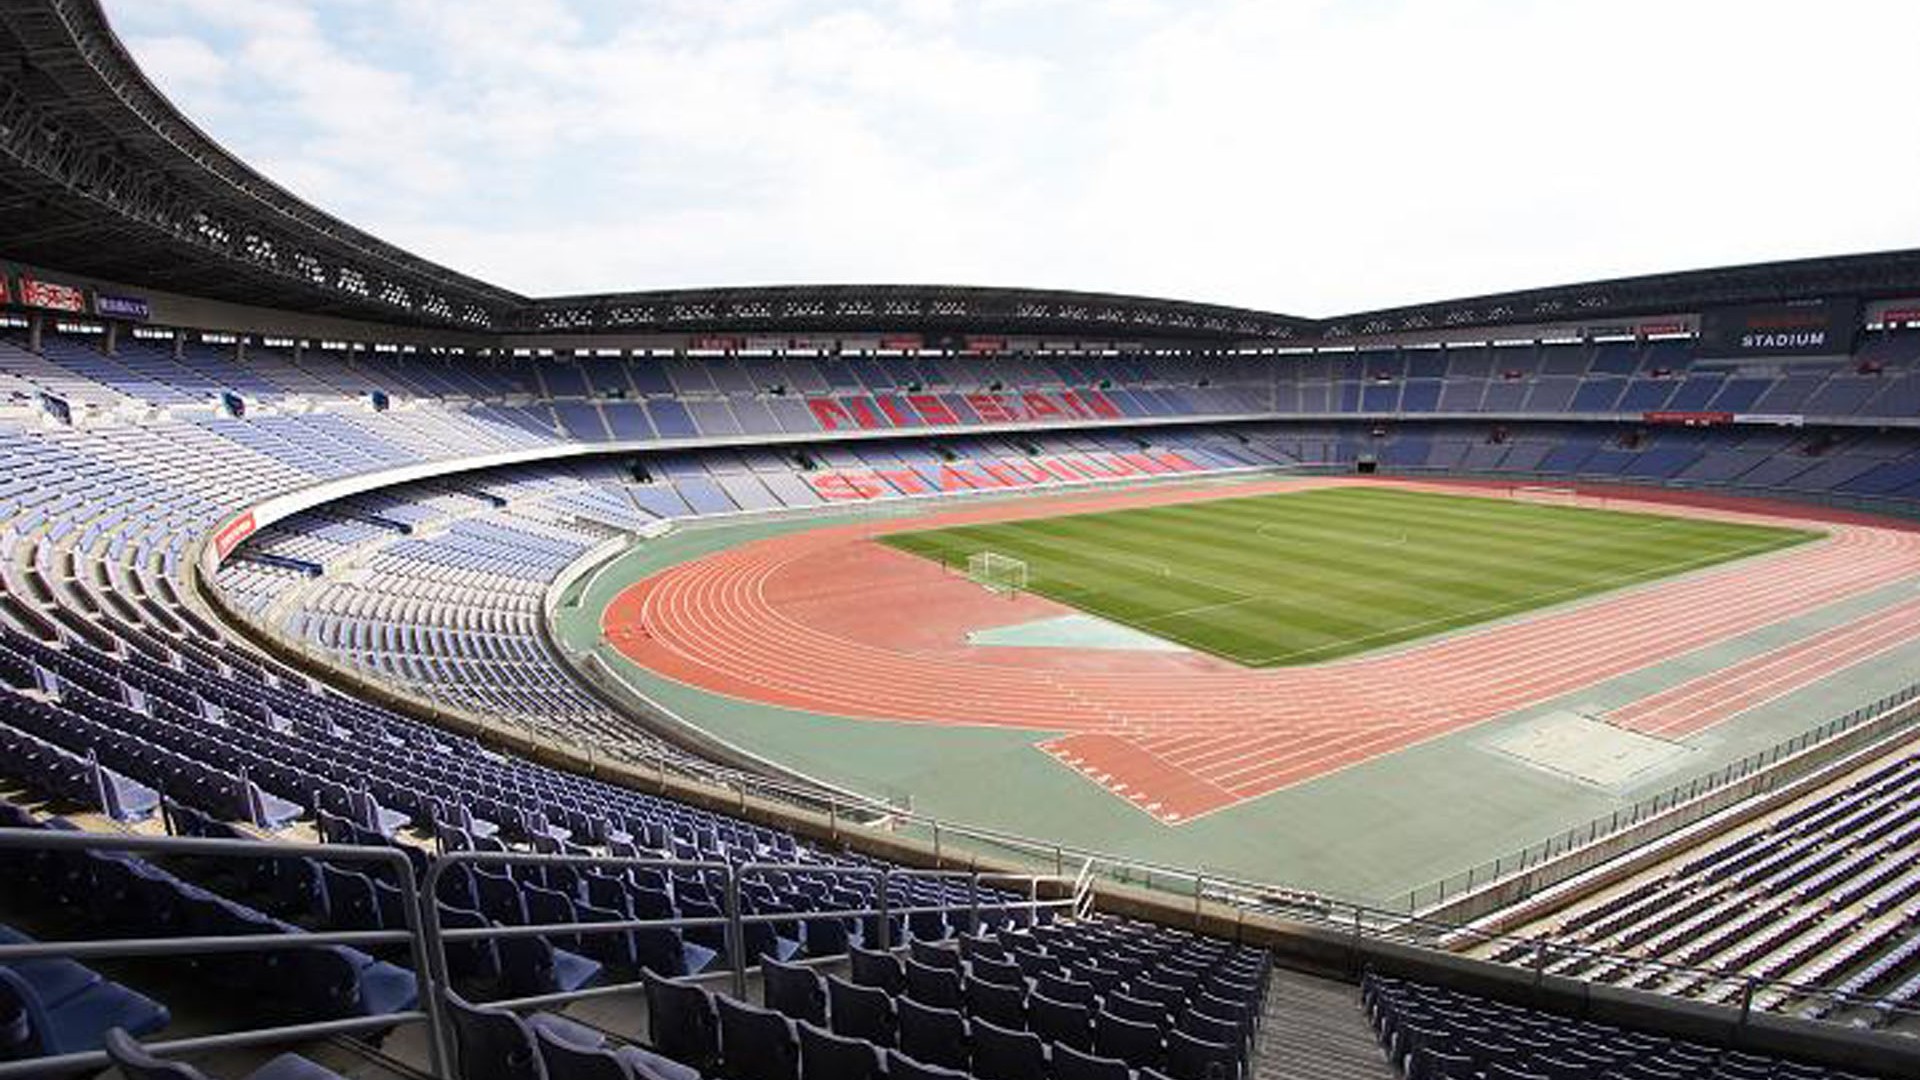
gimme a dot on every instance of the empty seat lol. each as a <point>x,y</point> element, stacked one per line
<point>1070,1063</point>
<point>877,969</point>
<point>756,1044</point>
<point>930,1035</point>
<point>1060,1023</point>
<point>939,987</point>
<point>793,991</point>
<point>78,1023</point>
<point>136,1064</point>
<point>1004,1005</point>
<point>860,1012</point>
<point>683,1023</point>
<point>1004,1054</point>
<point>826,1056</point>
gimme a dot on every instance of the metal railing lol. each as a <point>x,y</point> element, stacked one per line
<point>426,939</point>
<point>1676,807</point>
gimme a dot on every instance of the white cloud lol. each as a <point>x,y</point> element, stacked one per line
<point>1309,156</point>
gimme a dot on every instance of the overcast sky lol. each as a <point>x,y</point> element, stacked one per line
<point>1313,158</point>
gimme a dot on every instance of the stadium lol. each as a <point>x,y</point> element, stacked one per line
<point>404,677</point>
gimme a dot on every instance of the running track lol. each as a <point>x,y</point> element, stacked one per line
<point>781,621</point>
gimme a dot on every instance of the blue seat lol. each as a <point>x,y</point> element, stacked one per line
<point>902,1067</point>
<point>880,970</point>
<point>351,902</point>
<point>683,1023</point>
<point>793,991</point>
<point>532,966</point>
<point>1133,1042</point>
<point>495,1044</point>
<point>939,987</point>
<point>80,1022</point>
<point>930,1035</point>
<point>1071,1063</point>
<point>1004,1005</point>
<point>1005,1054</point>
<point>826,1056</point>
<point>1190,1058</point>
<point>569,1059</point>
<point>1059,1022</point>
<point>53,979</point>
<point>936,956</point>
<point>1062,989</point>
<point>337,981</point>
<point>861,1012</point>
<point>136,1064</point>
<point>755,1043</point>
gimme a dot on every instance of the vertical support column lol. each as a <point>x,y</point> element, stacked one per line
<point>736,934</point>
<point>110,341</point>
<point>36,329</point>
<point>179,344</point>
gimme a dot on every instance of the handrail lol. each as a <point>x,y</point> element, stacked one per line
<point>15,839</point>
<point>1424,897</point>
<point>427,938</point>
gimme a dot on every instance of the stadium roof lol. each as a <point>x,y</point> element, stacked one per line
<point>100,175</point>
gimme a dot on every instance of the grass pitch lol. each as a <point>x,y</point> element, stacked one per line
<point>1305,577</point>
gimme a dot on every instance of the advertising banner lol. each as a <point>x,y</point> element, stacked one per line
<point>52,296</point>
<point>1806,328</point>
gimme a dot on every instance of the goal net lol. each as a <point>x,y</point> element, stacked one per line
<point>1000,573</point>
<point>1544,494</point>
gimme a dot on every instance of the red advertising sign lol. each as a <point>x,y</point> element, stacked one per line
<point>1688,419</point>
<point>53,297</point>
<point>1650,329</point>
<point>3,289</point>
<point>230,536</point>
<point>901,341</point>
<point>716,344</point>
<point>986,344</point>
<point>1901,315</point>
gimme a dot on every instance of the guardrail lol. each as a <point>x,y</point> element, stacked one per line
<point>1676,807</point>
<point>1364,933</point>
<point>426,939</point>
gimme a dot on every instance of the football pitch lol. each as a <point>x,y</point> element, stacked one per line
<point>1310,576</point>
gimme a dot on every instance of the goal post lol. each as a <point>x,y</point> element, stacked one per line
<point>996,572</point>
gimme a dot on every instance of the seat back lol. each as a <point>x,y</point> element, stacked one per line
<point>1135,1043</point>
<point>756,1044</point>
<point>1004,1005</point>
<point>902,1067</point>
<point>861,1012</point>
<point>683,1023</point>
<point>1071,1063</point>
<point>826,1056</point>
<point>1060,1022</point>
<point>1004,1054</point>
<point>794,991</point>
<point>492,1044</point>
<point>880,970</point>
<point>935,986</point>
<point>1189,1058</point>
<point>932,1035</point>
<point>134,1061</point>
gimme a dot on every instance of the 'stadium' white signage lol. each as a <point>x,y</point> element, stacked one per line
<point>1804,328</point>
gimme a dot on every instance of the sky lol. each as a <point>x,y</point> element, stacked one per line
<point>1311,157</point>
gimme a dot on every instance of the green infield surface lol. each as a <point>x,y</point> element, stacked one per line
<point>1304,577</point>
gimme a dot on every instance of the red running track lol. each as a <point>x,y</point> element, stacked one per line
<point>827,622</point>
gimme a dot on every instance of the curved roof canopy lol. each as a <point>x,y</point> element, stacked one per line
<point>100,175</point>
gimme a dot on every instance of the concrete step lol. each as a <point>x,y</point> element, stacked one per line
<point>1314,1029</point>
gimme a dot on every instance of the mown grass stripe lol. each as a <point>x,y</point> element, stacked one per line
<point>1309,576</point>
